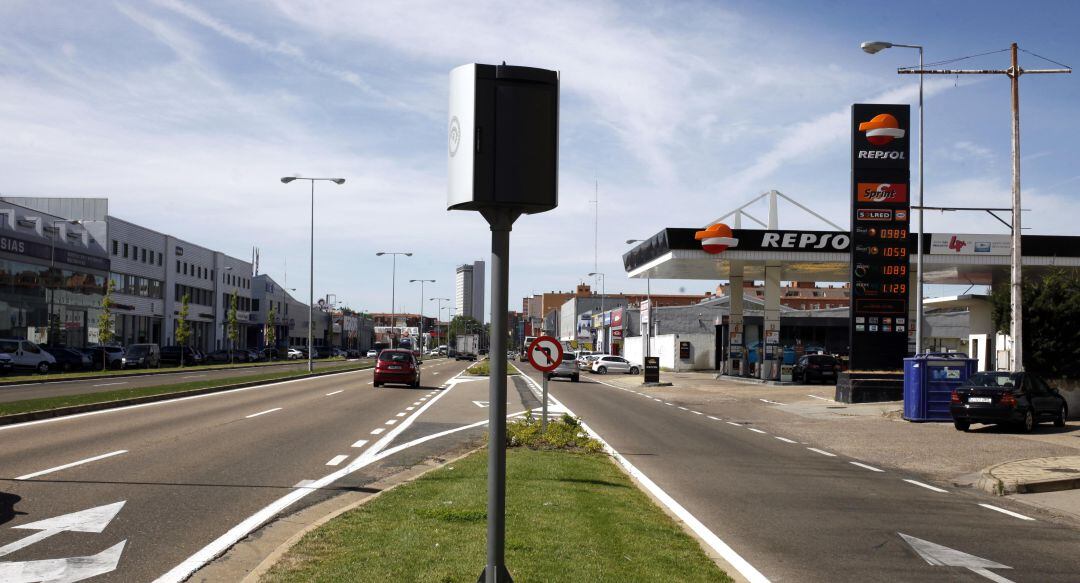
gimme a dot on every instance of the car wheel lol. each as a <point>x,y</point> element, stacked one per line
<point>634,370</point>
<point>415,384</point>
<point>602,370</point>
<point>1028,424</point>
<point>575,378</point>
<point>377,384</point>
<point>43,367</point>
<point>1062,415</point>
<point>962,425</point>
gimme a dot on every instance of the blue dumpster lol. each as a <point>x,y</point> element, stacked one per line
<point>929,380</point>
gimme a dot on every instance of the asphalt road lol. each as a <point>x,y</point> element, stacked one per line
<point>797,514</point>
<point>21,392</point>
<point>171,478</point>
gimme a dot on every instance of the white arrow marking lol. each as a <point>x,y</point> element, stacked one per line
<point>66,570</point>
<point>89,520</point>
<point>942,556</point>
<point>481,404</point>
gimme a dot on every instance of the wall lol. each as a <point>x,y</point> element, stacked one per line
<point>666,347</point>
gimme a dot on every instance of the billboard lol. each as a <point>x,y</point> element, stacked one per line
<point>958,244</point>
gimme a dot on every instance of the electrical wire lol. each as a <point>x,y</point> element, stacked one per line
<point>1046,59</point>
<point>948,61</point>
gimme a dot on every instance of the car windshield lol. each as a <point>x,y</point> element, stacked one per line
<point>997,380</point>
<point>388,356</point>
<point>821,359</point>
<point>136,351</point>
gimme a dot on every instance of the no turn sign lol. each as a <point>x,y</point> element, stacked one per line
<point>545,353</point>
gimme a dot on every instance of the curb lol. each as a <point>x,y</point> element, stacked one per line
<point>988,482</point>
<point>89,407</point>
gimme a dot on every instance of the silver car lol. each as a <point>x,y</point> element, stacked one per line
<point>607,363</point>
<point>567,369</point>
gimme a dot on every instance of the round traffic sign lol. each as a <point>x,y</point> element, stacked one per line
<point>545,353</point>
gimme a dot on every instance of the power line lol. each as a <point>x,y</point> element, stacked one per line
<point>956,60</point>
<point>1046,59</point>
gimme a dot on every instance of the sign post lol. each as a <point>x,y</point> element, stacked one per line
<point>545,354</point>
<point>503,158</point>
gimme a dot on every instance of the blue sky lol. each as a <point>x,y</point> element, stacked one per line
<point>185,114</point>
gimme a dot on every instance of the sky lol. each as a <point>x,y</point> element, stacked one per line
<point>186,114</point>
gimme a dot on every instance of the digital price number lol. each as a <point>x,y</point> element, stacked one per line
<point>894,234</point>
<point>894,251</point>
<point>894,270</point>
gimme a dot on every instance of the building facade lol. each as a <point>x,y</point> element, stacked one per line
<point>469,290</point>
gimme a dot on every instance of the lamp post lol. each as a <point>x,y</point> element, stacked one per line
<point>438,318</point>
<point>648,293</point>
<point>311,265</point>
<point>420,339</point>
<point>871,48</point>
<point>393,285</point>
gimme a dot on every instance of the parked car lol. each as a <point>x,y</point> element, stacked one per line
<point>815,367</point>
<point>294,354</point>
<point>372,353</point>
<point>142,356</point>
<point>338,352</point>
<point>112,356</point>
<point>397,366</point>
<point>171,355</point>
<point>586,362</point>
<point>68,359</point>
<point>269,353</point>
<point>322,352</point>
<point>567,369</point>
<point>7,364</point>
<point>27,355</point>
<point>1020,399</point>
<point>254,355</point>
<point>608,363</point>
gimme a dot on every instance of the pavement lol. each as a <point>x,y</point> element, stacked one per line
<point>803,490</point>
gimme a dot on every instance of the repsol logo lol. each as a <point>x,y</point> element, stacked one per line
<point>881,155</point>
<point>12,245</point>
<point>828,241</point>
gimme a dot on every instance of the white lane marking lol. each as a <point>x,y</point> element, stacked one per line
<point>423,399</point>
<point>821,398</point>
<point>336,460</point>
<point>263,412</point>
<point>697,412</point>
<point>1009,512</point>
<point>304,483</point>
<point>110,384</point>
<point>684,408</point>
<point>72,464</point>
<point>173,401</point>
<point>360,443</point>
<point>391,422</point>
<point>409,408</point>
<point>943,556</point>
<point>871,468</point>
<point>61,570</point>
<point>377,431</point>
<point>670,404</point>
<point>416,403</point>
<point>89,520</point>
<point>193,376</point>
<point>784,439</point>
<point>371,382</point>
<point>755,430</point>
<point>335,392</point>
<point>733,558</point>
<point>657,400</point>
<point>401,414</point>
<point>733,423</point>
<point>434,373</point>
<point>927,486</point>
<point>713,418</point>
<point>771,402</point>
<point>821,451</point>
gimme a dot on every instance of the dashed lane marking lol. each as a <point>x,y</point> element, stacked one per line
<point>110,384</point>
<point>336,460</point>
<point>713,418</point>
<point>871,468</point>
<point>335,392</point>
<point>821,451</point>
<point>697,412</point>
<point>1009,512</point>
<point>927,486</point>
<point>755,430</point>
<point>360,443</point>
<point>771,402</point>
<point>377,431</point>
<point>684,408</point>
<point>784,439</point>
<point>72,464</point>
<point>401,414</point>
<point>391,422</point>
<point>820,398</point>
<point>733,423</point>
<point>263,412</point>
<point>409,408</point>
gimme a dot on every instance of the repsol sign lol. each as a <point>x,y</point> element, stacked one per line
<point>822,241</point>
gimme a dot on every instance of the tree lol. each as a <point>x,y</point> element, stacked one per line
<point>183,327</point>
<point>106,333</point>
<point>271,328</point>
<point>1051,322</point>
<point>233,325</point>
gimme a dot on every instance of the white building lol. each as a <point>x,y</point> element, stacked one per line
<point>470,290</point>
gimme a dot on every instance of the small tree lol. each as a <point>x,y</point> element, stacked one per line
<point>105,324</point>
<point>183,327</point>
<point>233,325</point>
<point>1051,322</point>
<point>271,335</point>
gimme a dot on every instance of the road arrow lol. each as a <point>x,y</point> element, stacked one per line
<point>66,570</point>
<point>89,520</point>
<point>481,404</point>
<point>943,556</point>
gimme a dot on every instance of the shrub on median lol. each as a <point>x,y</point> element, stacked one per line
<point>565,433</point>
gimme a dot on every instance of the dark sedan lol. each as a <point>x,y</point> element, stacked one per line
<point>816,367</point>
<point>68,359</point>
<point>1020,399</point>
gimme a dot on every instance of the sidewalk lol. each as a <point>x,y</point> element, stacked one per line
<point>876,433</point>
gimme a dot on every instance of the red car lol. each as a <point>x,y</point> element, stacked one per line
<point>397,366</point>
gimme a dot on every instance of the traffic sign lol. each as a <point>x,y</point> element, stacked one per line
<point>545,353</point>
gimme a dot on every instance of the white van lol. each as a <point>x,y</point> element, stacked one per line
<point>26,354</point>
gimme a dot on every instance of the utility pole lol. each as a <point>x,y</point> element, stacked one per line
<point>420,338</point>
<point>1016,360</point>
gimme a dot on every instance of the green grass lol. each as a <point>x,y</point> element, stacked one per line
<point>483,369</point>
<point>63,376</point>
<point>46,403</point>
<point>570,517</point>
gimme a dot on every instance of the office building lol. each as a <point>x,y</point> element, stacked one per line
<point>469,293</point>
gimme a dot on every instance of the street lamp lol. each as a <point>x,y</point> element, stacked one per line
<point>393,284</point>
<point>311,265</point>
<point>873,47</point>
<point>421,338</point>
<point>438,318</point>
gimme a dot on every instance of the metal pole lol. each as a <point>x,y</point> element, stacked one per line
<point>501,222</point>
<point>311,286</point>
<point>1016,327</point>
<point>648,331</point>
<point>919,257</point>
<point>421,338</point>
<point>543,422</point>
<point>393,308</point>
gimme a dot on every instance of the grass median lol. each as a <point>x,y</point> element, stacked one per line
<point>97,373</point>
<point>571,515</point>
<point>47,403</point>
<point>483,369</point>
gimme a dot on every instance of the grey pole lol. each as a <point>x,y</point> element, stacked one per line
<point>501,222</point>
<point>919,257</point>
<point>311,286</point>
<point>393,301</point>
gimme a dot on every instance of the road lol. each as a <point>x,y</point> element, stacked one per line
<point>10,393</point>
<point>172,479</point>
<point>802,514</point>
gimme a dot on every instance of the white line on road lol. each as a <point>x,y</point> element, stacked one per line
<point>871,468</point>
<point>402,414</point>
<point>713,418</point>
<point>304,483</point>
<point>784,439</point>
<point>371,382</point>
<point>771,402</point>
<point>360,443</point>
<point>697,412</point>
<point>110,384</point>
<point>409,408</point>
<point>733,423</point>
<point>193,376</point>
<point>821,398</point>
<point>684,408</point>
<point>335,392</point>
<point>821,451</point>
<point>670,404</point>
<point>927,486</point>
<point>416,403</point>
<point>1009,512</point>
<point>263,412</point>
<point>336,460</point>
<point>755,430</point>
<point>72,464</point>
<point>377,431</point>
<point>391,422</point>
<point>657,400</point>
